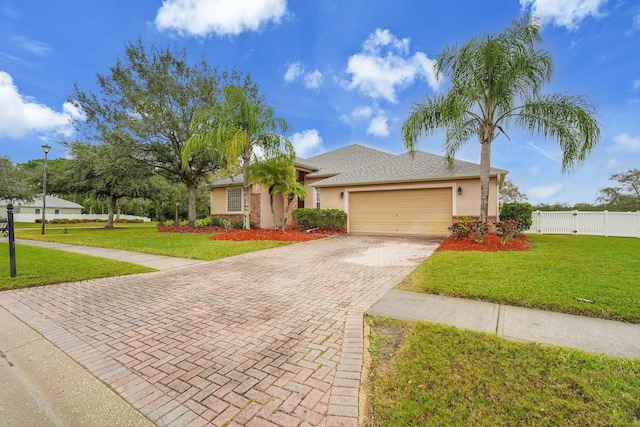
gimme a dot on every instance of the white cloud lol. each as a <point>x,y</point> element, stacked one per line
<point>624,142</point>
<point>33,46</point>
<point>543,152</point>
<point>384,67</point>
<point>636,84</point>
<point>307,143</point>
<point>222,17</point>
<point>293,72</point>
<point>563,13</point>
<point>378,126</point>
<point>544,192</point>
<point>635,26</point>
<point>377,118</point>
<point>20,115</point>
<point>311,79</point>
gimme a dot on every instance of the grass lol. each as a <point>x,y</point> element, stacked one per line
<point>430,375</point>
<point>38,266</point>
<point>558,274</point>
<point>147,239</point>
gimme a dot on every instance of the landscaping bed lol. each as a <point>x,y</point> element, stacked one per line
<point>490,243</point>
<point>292,235</point>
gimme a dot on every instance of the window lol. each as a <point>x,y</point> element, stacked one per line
<point>56,211</point>
<point>37,211</point>
<point>317,198</point>
<point>234,200</point>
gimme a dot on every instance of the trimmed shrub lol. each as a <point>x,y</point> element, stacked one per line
<point>460,228</point>
<point>505,230</point>
<point>204,222</point>
<point>478,229</point>
<point>224,222</point>
<point>328,219</point>
<point>522,212</point>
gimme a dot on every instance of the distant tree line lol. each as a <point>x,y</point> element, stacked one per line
<point>624,196</point>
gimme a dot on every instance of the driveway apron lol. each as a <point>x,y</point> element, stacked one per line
<point>267,338</point>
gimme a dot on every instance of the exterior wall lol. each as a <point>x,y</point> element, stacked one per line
<point>219,201</point>
<point>468,203</point>
<point>330,198</point>
<point>219,205</point>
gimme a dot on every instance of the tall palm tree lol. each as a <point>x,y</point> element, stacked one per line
<point>234,129</point>
<point>278,176</point>
<point>496,82</point>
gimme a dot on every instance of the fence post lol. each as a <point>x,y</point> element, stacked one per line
<point>12,240</point>
<point>606,232</point>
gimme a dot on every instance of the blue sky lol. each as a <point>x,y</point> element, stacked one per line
<point>340,72</point>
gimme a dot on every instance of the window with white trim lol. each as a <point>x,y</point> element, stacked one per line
<point>317,198</point>
<point>234,199</point>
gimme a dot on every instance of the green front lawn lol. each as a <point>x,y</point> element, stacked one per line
<point>430,375</point>
<point>147,239</point>
<point>38,266</point>
<point>558,274</point>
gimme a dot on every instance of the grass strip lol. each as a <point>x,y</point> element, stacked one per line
<point>147,240</point>
<point>586,275</point>
<point>39,266</point>
<point>431,375</point>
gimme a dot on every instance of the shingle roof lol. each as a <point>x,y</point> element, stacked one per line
<point>225,182</point>
<point>402,168</point>
<point>356,164</point>
<point>344,159</point>
<point>52,202</point>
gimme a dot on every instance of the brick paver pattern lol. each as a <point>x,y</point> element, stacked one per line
<point>269,338</point>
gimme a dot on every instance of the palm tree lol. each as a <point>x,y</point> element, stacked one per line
<point>278,176</point>
<point>233,131</point>
<point>496,82</point>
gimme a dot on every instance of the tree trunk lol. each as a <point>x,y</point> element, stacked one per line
<point>191,214</point>
<point>485,169</point>
<point>273,211</point>
<point>112,208</point>
<point>246,224</point>
<point>290,199</point>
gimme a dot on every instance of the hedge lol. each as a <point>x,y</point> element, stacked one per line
<point>329,219</point>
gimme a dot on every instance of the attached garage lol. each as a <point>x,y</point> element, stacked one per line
<point>426,211</point>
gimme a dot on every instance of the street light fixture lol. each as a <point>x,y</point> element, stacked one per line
<point>46,150</point>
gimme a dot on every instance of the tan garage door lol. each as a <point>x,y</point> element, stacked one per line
<point>419,211</point>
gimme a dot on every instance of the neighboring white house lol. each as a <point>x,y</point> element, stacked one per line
<point>55,206</point>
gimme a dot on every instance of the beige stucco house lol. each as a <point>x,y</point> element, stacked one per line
<point>382,193</point>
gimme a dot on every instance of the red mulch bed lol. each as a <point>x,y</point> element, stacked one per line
<point>292,235</point>
<point>221,233</point>
<point>189,229</point>
<point>489,244</point>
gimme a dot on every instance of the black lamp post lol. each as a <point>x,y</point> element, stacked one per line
<point>46,150</point>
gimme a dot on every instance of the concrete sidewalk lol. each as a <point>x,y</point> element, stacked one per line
<point>159,262</point>
<point>585,333</point>
<point>42,386</point>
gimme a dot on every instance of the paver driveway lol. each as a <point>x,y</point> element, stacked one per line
<point>265,338</point>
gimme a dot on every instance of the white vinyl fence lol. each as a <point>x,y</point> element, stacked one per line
<point>24,217</point>
<point>618,224</point>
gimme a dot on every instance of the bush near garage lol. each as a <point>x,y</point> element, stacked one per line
<point>327,219</point>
